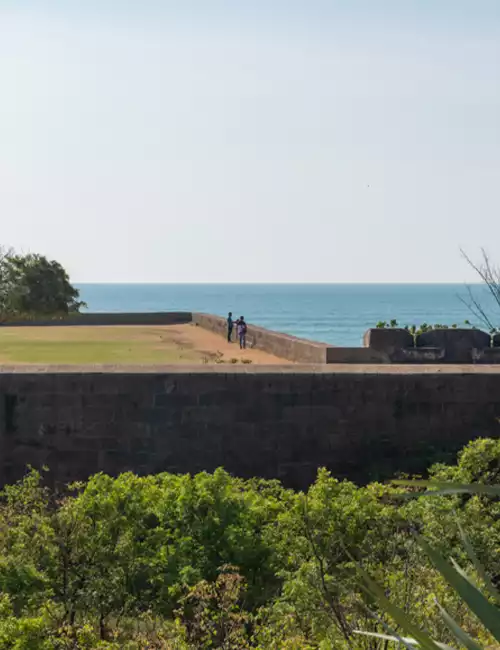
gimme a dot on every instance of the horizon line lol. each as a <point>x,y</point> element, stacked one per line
<point>264,283</point>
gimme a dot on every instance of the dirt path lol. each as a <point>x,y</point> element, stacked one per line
<point>212,344</point>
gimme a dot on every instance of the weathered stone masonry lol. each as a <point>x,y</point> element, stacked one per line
<point>282,423</point>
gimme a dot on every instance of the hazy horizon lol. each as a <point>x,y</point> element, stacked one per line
<point>319,283</point>
<point>272,142</point>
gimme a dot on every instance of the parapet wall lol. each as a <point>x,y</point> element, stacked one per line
<point>451,345</point>
<point>283,423</point>
<point>103,319</point>
<point>276,343</point>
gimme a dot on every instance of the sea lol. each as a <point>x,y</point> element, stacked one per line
<point>338,314</point>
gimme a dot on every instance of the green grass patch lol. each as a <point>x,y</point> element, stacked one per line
<point>87,345</point>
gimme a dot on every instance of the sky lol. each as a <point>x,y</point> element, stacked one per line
<point>262,141</point>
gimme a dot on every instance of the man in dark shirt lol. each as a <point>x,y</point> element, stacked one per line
<point>230,326</point>
<point>242,332</point>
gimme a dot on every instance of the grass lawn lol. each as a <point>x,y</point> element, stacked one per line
<point>121,345</point>
<point>96,345</point>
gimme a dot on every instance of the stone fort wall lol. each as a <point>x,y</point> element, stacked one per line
<point>282,423</point>
<point>109,318</point>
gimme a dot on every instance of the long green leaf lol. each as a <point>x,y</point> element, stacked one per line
<point>409,644</point>
<point>494,593</point>
<point>461,636</point>
<point>439,488</point>
<point>407,641</point>
<point>486,612</point>
<point>398,615</point>
<point>467,577</point>
<point>389,631</point>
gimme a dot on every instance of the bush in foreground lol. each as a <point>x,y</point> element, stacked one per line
<point>213,561</point>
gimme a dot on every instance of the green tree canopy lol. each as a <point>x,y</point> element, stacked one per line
<point>32,284</point>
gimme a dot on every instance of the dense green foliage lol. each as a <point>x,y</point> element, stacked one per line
<point>213,561</point>
<point>31,285</point>
<point>474,587</point>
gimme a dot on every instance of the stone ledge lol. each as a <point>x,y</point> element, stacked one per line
<point>111,318</point>
<point>276,370</point>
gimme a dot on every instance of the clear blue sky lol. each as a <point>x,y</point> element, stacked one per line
<point>270,140</point>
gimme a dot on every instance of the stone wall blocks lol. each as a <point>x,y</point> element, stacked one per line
<point>175,400</point>
<point>229,397</point>
<point>208,414</point>
<point>248,422</point>
<point>387,340</point>
<point>457,343</point>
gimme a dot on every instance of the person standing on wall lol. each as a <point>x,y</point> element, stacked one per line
<point>230,325</point>
<point>242,332</point>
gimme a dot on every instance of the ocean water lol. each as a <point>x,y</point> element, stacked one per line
<point>334,313</point>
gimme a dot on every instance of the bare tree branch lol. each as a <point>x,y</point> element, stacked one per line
<point>490,276</point>
<point>476,309</point>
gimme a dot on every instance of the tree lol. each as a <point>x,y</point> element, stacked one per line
<point>490,276</point>
<point>32,284</point>
<point>5,254</point>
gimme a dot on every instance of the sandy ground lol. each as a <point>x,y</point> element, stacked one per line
<point>202,339</point>
<point>172,344</point>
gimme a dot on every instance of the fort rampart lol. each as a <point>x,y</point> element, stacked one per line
<point>357,411</point>
<point>390,345</point>
<point>283,422</point>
